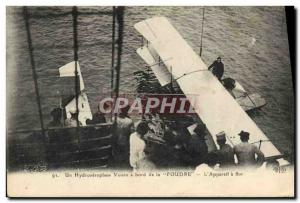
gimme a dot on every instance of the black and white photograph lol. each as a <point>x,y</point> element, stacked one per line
<point>188,100</point>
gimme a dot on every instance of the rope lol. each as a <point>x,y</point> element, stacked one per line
<point>120,18</point>
<point>113,51</point>
<point>269,140</point>
<point>189,73</point>
<point>75,46</point>
<point>250,98</point>
<point>30,47</point>
<point>159,62</point>
<point>202,32</point>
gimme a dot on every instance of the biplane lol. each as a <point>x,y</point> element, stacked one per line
<point>172,59</point>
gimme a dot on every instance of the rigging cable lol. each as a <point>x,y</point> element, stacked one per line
<point>202,31</point>
<point>75,47</point>
<point>120,18</point>
<point>185,74</point>
<point>34,74</point>
<point>113,51</point>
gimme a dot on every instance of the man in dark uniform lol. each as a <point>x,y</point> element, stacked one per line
<point>225,153</point>
<point>196,146</point>
<point>99,117</point>
<point>53,133</point>
<point>217,68</point>
<point>56,115</point>
<point>122,128</point>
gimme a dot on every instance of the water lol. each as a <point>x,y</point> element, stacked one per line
<point>252,42</point>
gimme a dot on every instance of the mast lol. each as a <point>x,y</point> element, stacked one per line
<point>34,74</point>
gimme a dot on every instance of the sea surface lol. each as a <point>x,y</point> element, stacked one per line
<point>252,42</point>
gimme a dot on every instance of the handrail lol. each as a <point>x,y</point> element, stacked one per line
<point>58,128</point>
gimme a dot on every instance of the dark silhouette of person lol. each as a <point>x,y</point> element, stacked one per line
<point>56,114</point>
<point>122,128</point>
<point>217,68</point>
<point>225,153</point>
<point>196,146</point>
<point>99,116</point>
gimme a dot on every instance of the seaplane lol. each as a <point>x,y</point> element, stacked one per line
<point>222,105</point>
<point>247,101</point>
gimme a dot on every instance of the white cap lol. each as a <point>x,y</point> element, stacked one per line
<point>221,135</point>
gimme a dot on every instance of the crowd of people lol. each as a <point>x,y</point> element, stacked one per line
<point>131,145</point>
<point>131,141</point>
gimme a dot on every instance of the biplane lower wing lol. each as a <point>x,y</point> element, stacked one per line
<point>160,71</point>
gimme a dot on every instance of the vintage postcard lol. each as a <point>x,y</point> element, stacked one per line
<point>150,101</point>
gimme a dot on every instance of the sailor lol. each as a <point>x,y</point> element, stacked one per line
<point>246,152</point>
<point>225,153</point>
<point>196,146</point>
<point>56,114</point>
<point>138,155</point>
<point>155,123</point>
<point>122,129</point>
<point>217,68</point>
<point>99,117</point>
<point>72,122</point>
